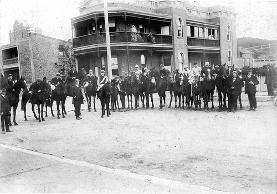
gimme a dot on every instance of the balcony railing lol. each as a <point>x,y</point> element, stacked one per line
<point>10,61</point>
<point>118,37</point>
<point>203,42</point>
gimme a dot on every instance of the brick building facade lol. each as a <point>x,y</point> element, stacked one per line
<point>32,55</point>
<point>152,32</point>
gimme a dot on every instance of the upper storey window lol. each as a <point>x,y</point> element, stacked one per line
<point>228,32</point>
<point>180,27</point>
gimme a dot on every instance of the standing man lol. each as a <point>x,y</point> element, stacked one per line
<point>5,111</point>
<point>250,89</point>
<point>269,80</point>
<point>10,84</point>
<point>72,73</point>
<point>234,84</point>
<point>204,70</point>
<point>78,99</point>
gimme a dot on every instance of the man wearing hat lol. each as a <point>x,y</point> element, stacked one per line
<point>233,91</point>
<point>103,79</point>
<point>5,111</point>
<point>138,72</point>
<point>250,89</point>
<point>78,99</point>
<point>10,86</point>
<point>56,80</point>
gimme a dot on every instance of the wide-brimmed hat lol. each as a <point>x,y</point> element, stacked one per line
<point>136,66</point>
<point>10,75</point>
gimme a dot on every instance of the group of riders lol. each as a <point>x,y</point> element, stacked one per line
<point>187,87</point>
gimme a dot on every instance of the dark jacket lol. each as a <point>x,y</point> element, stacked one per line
<point>250,84</point>
<point>72,73</point>
<point>77,95</point>
<point>234,86</point>
<point>5,106</point>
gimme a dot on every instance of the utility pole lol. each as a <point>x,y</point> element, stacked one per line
<point>108,42</point>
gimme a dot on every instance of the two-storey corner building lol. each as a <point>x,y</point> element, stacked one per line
<point>32,55</point>
<point>150,33</point>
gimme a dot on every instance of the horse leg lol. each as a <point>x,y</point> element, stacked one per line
<point>161,102</point>
<point>131,101</point>
<point>58,108</point>
<point>63,108</point>
<point>94,104</point>
<point>224,100</point>
<point>212,99</point>
<point>51,108</point>
<point>183,101</point>
<point>14,115</point>
<point>103,108</point>
<point>39,115</point>
<point>170,99</point>
<point>240,104</point>
<point>151,95</point>
<point>142,100</point>
<point>175,98</point>
<point>117,102</point>
<point>108,109</point>
<point>42,118</point>
<point>33,109</point>
<point>25,116</point>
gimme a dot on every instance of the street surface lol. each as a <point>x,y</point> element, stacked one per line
<point>156,151</point>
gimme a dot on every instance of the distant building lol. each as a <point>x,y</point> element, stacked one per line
<point>245,58</point>
<point>152,32</point>
<point>33,55</point>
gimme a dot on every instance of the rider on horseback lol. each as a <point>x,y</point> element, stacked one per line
<point>56,80</point>
<point>103,79</point>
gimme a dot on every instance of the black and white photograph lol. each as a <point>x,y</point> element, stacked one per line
<point>138,96</point>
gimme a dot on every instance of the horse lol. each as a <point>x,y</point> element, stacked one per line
<point>122,92</point>
<point>59,95</point>
<point>13,96</point>
<point>90,91</point>
<point>39,92</point>
<point>129,91</point>
<point>150,87</point>
<point>161,85</point>
<point>114,95</point>
<point>186,91</point>
<point>196,88</point>
<point>104,94</point>
<point>136,90</point>
<point>178,89</point>
<point>221,86</point>
<point>208,87</point>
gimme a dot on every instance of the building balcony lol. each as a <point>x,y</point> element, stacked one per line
<point>122,37</point>
<point>203,42</point>
<point>10,61</point>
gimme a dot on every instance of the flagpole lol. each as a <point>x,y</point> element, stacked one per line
<point>108,42</point>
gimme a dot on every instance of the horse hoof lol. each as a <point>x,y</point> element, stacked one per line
<point>89,110</point>
<point>15,123</point>
<point>58,117</point>
<point>102,116</point>
<point>46,115</point>
<point>36,118</point>
<point>39,120</point>
<point>26,119</point>
<point>43,119</point>
<point>53,115</point>
<point>63,116</point>
<point>94,110</point>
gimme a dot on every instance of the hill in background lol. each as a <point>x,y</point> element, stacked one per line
<point>266,52</point>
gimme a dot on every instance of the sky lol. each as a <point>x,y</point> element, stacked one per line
<point>255,18</point>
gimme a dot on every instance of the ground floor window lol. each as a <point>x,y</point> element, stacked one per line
<point>114,63</point>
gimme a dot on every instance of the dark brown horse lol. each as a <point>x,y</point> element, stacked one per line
<point>104,94</point>
<point>90,91</point>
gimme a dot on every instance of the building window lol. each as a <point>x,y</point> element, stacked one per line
<point>188,31</point>
<point>114,66</point>
<point>142,61</point>
<point>201,32</point>
<point>112,27</point>
<point>228,33</point>
<point>192,31</point>
<point>229,55</point>
<point>180,27</point>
